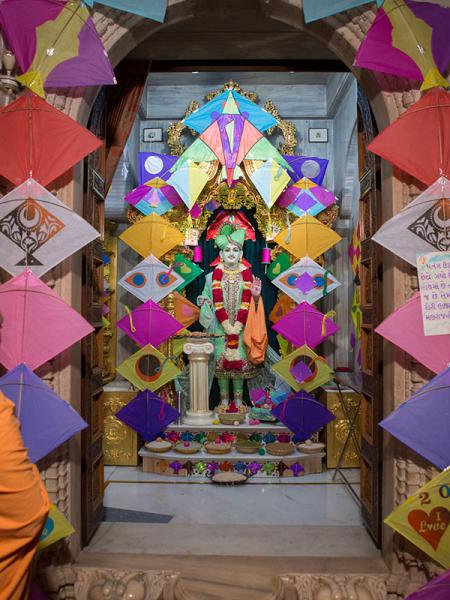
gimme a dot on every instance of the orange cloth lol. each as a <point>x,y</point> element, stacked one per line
<point>24,507</point>
<point>255,333</point>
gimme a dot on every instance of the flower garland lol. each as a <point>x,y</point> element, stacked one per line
<point>232,360</point>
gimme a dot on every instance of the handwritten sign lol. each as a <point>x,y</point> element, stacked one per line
<point>433,271</point>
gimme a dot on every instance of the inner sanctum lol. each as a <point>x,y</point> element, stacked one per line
<point>232,285</point>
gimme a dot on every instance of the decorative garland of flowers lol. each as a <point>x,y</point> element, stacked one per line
<point>231,359</point>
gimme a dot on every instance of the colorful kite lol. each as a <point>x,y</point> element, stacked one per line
<point>270,180</point>
<point>148,369</point>
<point>185,312</point>
<point>409,39</point>
<point>404,328</point>
<point>154,196</point>
<point>317,366</point>
<point>426,411</point>
<point>303,415</point>
<point>307,166</point>
<point>151,279</point>
<point>152,165</point>
<point>25,124</point>
<point>278,266</point>
<point>281,308</point>
<point>46,421</point>
<point>186,269</point>
<point>56,528</point>
<point>306,281</point>
<point>416,142</point>
<point>422,226</point>
<point>188,181</point>
<point>314,10</point>
<point>55,43</point>
<point>305,197</point>
<point>354,250</point>
<point>149,324</point>
<point>152,235</point>
<point>151,9</point>
<point>37,324</point>
<point>230,128</point>
<point>306,326</point>
<point>437,588</point>
<point>37,230</point>
<point>148,414</point>
<point>424,519</point>
<point>307,237</point>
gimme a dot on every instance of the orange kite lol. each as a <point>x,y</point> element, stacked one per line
<point>24,507</point>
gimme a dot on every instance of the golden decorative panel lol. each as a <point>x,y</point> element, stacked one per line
<point>337,430</point>
<point>120,443</point>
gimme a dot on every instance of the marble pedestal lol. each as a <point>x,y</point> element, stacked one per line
<point>198,351</point>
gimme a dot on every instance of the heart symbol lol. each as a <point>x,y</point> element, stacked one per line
<point>185,269</point>
<point>431,527</point>
<point>276,269</point>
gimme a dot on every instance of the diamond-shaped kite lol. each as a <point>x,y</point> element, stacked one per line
<point>307,237</point>
<point>152,235</point>
<point>148,414</point>
<point>306,281</point>
<point>404,328</point>
<point>151,279</point>
<point>185,312</point>
<point>38,230</point>
<point>186,269</point>
<point>149,324</point>
<point>37,324</point>
<point>306,197</point>
<point>56,44</point>
<point>24,124</point>
<point>306,325</point>
<point>46,421</point>
<point>422,226</point>
<point>320,371</point>
<point>148,369</point>
<point>426,411</point>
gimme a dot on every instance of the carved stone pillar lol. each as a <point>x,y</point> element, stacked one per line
<point>198,351</point>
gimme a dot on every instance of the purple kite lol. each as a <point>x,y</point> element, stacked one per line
<point>46,420</point>
<point>149,324</point>
<point>148,414</point>
<point>303,415</point>
<point>305,324</point>
<point>423,421</point>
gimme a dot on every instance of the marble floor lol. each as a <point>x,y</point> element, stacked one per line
<point>309,500</point>
<point>305,516</point>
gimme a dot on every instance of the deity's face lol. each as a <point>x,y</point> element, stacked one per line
<point>231,255</point>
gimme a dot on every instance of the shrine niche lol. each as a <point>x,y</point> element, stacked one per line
<point>221,225</point>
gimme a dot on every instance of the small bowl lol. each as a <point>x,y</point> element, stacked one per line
<point>231,418</point>
<point>229,478</point>
<point>193,448</point>
<point>213,448</point>
<point>248,447</point>
<point>159,447</point>
<point>280,448</point>
<point>312,448</point>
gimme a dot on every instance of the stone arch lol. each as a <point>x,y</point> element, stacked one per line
<point>389,97</point>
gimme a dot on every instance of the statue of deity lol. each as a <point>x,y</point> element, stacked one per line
<point>225,303</point>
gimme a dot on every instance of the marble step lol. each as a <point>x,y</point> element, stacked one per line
<point>232,456</point>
